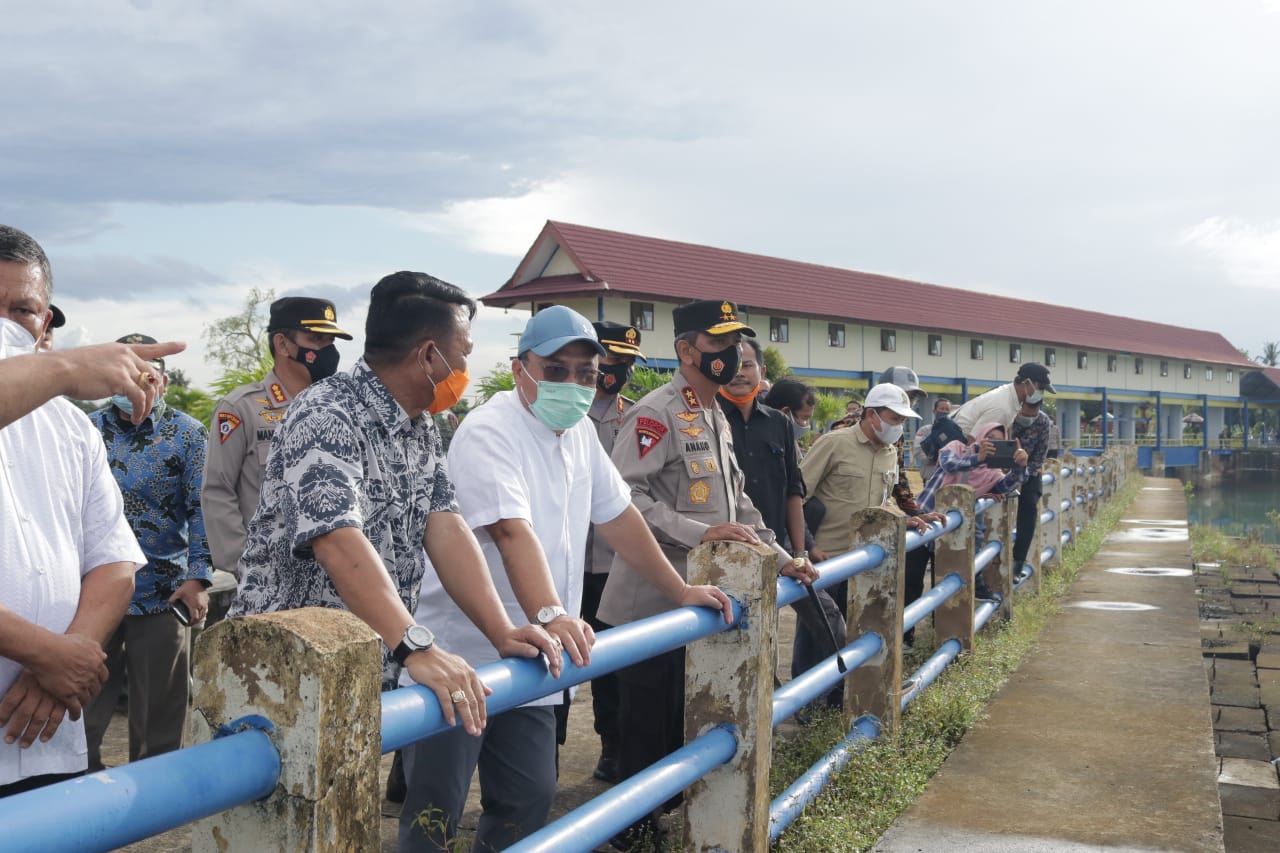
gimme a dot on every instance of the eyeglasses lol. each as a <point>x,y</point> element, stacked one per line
<point>553,372</point>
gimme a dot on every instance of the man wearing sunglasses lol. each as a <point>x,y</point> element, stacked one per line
<point>530,476</point>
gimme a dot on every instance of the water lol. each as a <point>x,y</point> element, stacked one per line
<point>1237,508</point>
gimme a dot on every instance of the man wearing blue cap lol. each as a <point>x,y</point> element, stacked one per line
<point>530,477</point>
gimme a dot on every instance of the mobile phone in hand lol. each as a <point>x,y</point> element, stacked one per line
<point>1003,455</point>
<point>180,611</point>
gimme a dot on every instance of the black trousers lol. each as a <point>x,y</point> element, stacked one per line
<point>1028,519</point>
<point>651,719</point>
<point>917,563</point>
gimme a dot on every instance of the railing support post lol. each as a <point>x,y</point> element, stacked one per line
<point>953,552</point>
<point>729,680</point>
<point>1000,521</point>
<point>315,674</point>
<point>875,606</point>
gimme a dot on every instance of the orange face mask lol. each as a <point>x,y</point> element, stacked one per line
<point>735,399</point>
<point>448,391</point>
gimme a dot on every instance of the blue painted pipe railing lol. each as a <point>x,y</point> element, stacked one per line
<point>1047,516</point>
<point>1027,571</point>
<point>1066,504</point>
<point>833,571</point>
<point>112,808</point>
<point>815,682</point>
<point>982,612</point>
<point>412,713</point>
<point>930,601</point>
<point>1047,554</point>
<point>930,670</point>
<point>985,555</point>
<point>916,540</point>
<point>790,803</point>
<point>594,823</point>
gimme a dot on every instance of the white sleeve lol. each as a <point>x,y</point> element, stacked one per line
<point>489,486</point>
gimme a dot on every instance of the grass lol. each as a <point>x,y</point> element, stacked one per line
<point>886,776</point>
<point>1209,544</point>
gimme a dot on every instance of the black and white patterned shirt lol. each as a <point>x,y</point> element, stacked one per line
<point>347,455</point>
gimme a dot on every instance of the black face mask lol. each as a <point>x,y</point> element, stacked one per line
<point>720,367</point>
<point>612,377</point>
<point>320,363</point>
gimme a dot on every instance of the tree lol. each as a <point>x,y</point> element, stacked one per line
<point>775,365</point>
<point>646,379</point>
<point>192,401</point>
<point>828,408</point>
<point>1270,355</point>
<point>177,377</point>
<point>239,341</point>
<point>498,379</point>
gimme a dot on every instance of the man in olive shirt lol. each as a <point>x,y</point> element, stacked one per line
<point>301,331</point>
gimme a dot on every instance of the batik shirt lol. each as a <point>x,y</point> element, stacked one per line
<point>159,466</point>
<point>347,455</point>
<point>1035,440</point>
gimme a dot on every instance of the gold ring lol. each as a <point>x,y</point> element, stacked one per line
<point>458,696</point>
<point>798,563</point>
<point>145,378</point>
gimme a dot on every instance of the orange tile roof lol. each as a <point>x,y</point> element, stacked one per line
<point>617,264</point>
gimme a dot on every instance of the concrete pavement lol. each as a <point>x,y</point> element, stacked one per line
<point>1102,738</point>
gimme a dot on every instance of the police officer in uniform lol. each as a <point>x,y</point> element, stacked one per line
<point>675,452</point>
<point>301,332</point>
<point>622,348</point>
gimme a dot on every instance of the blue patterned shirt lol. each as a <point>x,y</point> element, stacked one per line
<point>347,455</point>
<point>1035,440</point>
<point>159,466</point>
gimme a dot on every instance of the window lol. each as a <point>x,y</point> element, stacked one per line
<point>642,315</point>
<point>1208,374</point>
<point>1015,353</point>
<point>1186,371</point>
<point>1164,368</point>
<point>1050,356</point>
<point>1231,376</point>
<point>1113,362</point>
<point>1082,359</point>
<point>779,333</point>
<point>888,340</point>
<point>835,334</point>
<point>935,345</point>
<point>975,349</point>
<point>1137,366</point>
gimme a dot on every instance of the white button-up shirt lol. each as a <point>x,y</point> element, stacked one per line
<point>61,516</point>
<point>505,464</point>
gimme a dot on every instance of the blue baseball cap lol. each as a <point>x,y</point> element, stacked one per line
<point>555,327</point>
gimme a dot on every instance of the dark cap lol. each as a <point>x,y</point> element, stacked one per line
<point>906,379</point>
<point>619,338</point>
<point>306,313</point>
<point>139,338</point>
<point>712,316</point>
<point>1038,374</point>
<point>59,319</point>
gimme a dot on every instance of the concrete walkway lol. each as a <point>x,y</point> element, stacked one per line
<point>1102,738</point>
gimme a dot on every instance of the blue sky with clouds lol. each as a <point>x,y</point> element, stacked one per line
<point>1109,155</point>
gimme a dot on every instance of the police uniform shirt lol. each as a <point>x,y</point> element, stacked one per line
<point>677,458</point>
<point>848,473</point>
<point>607,415</point>
<point>243,425</point>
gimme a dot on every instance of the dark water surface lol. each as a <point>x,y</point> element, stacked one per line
<point>1237,508</point>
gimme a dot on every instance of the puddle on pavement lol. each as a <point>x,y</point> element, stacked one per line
<point>1149,534</point>
<point>1158,489</point>
<point>1162,522</point>
<point>1153,572</point>
<point>1112,605</point>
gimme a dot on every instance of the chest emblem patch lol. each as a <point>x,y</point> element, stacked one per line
<point>648,433</point>
<point>227,424</point>
<point>692,431</point>
<point>687,417</point>
<point>699,492</point>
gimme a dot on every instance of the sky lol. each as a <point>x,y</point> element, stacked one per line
<point>1116,156</point>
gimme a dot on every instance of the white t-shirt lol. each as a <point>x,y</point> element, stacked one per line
<point>1000,405</point>
<point>505,464</point>
<point>61,516</point>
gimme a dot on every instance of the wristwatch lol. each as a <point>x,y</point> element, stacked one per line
<point>417,638</point>
<point>547,614</point>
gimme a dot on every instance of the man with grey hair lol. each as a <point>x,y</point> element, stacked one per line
<point>67,555</point>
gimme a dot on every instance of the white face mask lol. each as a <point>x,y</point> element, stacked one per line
<point>1035,396</point>
<point>888,433</point>
<point>14,339</point>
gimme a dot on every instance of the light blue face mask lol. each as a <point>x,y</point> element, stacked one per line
<point>560,405</point>
<point>122,403</point>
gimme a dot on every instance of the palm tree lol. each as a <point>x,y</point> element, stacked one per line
<point>1270,355</point>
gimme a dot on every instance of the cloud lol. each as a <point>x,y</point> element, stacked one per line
<point>126,279</point>
<point>1248,254</point>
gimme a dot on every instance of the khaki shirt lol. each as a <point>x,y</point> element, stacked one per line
<point>240,438</point>
<point>608,423</point>
<point>678,459</point>
<point>848,473</point>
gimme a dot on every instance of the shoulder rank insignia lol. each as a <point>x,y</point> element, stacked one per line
<point>227,424</point>
<point>621,408</point>
<point>277,392</point>
<point>648,433</point>
<point>699,491</point>
<point>690,397</point>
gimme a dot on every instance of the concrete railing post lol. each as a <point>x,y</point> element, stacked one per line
<point>729,680</point>
<point>953,552</point>
<point>875,607</point>
<point>316,675</point>
<point>1001,518</point>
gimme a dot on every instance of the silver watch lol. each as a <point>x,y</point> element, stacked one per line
<point>548,614</point>
<point>417,638</point>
